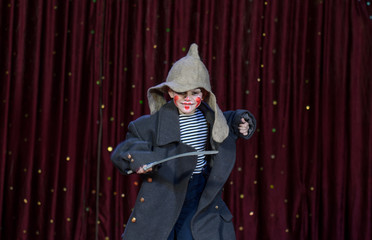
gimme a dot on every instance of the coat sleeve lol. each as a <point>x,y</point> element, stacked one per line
<point>134,152</point>
<point>234,119</point>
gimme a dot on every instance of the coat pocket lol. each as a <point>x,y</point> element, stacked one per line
<point>224,211</point>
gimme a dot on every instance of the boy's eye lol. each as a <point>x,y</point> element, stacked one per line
<point>184,94</point>
<point>196,91</point>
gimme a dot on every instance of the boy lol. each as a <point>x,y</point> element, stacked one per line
<point>181,198</point>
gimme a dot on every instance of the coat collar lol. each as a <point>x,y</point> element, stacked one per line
<point>168,123</point>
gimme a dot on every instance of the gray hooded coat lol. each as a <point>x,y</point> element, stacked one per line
<point>160,199</point>
<point>157,136</point>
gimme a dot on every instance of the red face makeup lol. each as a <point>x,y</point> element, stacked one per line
<point>187,102</point>
<point>176,98</point>
<point>198,101</point>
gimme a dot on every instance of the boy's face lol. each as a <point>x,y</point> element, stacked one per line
<point>187,102</point>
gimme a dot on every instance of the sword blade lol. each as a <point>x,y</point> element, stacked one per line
<point>150,165</point>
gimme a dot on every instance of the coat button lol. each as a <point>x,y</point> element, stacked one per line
<point>129,156</point>
<point>134,220</point>
<point>216,206</point>
<point>132,160</point>
<point>149,180</point>
<point>142,199</point>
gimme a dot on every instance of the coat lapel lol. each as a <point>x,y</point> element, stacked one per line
<point>169,127</point>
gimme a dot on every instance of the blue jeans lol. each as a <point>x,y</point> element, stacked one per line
<point>182,228</point>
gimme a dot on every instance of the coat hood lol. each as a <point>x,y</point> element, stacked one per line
<point>189,73</point>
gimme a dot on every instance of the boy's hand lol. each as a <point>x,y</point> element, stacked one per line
<point>244,127</point>
<point>141,170</point>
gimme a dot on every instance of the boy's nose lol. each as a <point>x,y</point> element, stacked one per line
<point>187,98</point>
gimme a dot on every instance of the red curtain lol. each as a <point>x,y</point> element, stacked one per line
<point>75,73</point>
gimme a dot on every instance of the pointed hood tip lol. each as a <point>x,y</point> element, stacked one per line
<point>193,51</point>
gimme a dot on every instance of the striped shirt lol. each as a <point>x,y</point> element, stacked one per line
<point>194,132</point>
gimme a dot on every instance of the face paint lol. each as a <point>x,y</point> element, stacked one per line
<point>198,101</point>
<point>175,99</point>
<point>187,102</point>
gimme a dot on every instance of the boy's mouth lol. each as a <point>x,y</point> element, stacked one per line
<point>187,105</point>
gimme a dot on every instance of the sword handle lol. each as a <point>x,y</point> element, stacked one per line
<point>148,166</point>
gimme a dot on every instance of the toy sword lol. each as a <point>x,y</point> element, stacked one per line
<point>150,165</point>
